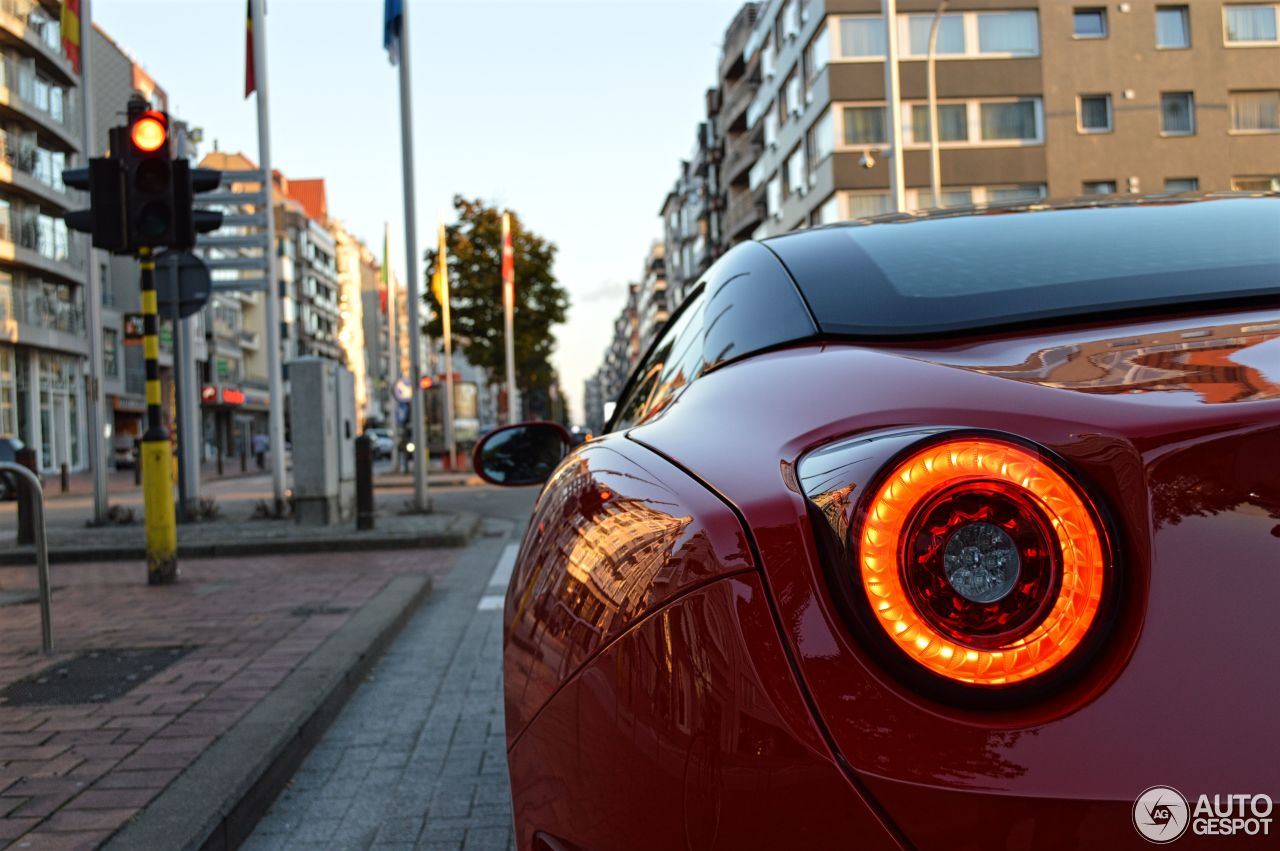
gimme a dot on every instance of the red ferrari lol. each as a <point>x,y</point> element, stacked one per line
<point>949,531</point>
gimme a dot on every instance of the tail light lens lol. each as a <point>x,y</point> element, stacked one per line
<point>982,561</point>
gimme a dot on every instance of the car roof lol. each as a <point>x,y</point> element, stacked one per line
<point>976,268</point>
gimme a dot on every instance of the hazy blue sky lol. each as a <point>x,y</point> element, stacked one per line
<point>575,114</point>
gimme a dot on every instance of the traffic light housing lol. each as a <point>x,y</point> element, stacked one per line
<point>103,179</point>
<point>140,196</point>
<point>148,177</point>
<point>187,183</point>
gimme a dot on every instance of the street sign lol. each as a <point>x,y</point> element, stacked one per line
<point>402,391</point>
<point>183,277</point>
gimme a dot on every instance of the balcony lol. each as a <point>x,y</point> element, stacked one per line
<point>737,97</point>
<point>249,340</point>
<point>40,241</point>
<point>32,23</point>
<point>34,170</point>
<point>26,92</point>
<point>740,153</point>
<point>45,306</point>
<point>743,212</point>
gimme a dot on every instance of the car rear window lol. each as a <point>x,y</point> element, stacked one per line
<point>972,272</point>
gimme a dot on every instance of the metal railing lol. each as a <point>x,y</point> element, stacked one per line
<point>20,78</point>
<point>30,305</point>
<point>36,494</point>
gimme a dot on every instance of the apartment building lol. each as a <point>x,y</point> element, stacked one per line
<point>358,272</point>
<point>43,339</point>
<point>652,299</point>
<point>309,264</point>
<point>234,395</point>
<point>1035,99</point>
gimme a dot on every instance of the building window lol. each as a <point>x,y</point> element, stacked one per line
<point>1252,24</point>
<point>950,35</point>
<point>953,123</point>
<point>797,175</point>
<point>1014,120</point>
<point>1177,114</point>
<point>790,19</point>
<point>1012,33</point>
<point>1095,113</point>
<point>793,103</point>
<point>864,125</point>
<point>1090,23</point>
<point>110,352</point>
<point>770,128</point>
<point>1255,112</point>
<point>773,197</point>
<point>1099,187</point>
<point>858,205</point>
<point>1173,27</point>
<point>1181,184</point>
<point>822,139</point>
<point>816,57</point>
<point>1256,183</point>
<point>828,212</point>
<point>862,38</point>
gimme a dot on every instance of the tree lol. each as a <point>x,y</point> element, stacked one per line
<point>475,277</point>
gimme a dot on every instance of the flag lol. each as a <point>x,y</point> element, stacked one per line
<point>440,278</point>
<point>392,15</point>
<point>508,265</point>
<point>250,81</point>
<point>385,287</point>
<point>70,26</point>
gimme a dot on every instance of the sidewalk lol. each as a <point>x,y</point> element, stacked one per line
<point>83,759</point>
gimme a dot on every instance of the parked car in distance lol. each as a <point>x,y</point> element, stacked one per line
<point>383,443</point>
<point>9,448</point>
<point>124,452</point>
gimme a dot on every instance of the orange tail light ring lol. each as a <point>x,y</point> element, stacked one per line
<point>982,561</point>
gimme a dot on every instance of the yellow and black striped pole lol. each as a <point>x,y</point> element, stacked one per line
<point>157,453</point>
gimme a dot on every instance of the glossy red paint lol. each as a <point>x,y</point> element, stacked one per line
<point>1174,424</point>
<point>688,732</point>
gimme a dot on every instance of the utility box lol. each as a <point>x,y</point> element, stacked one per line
<point>322,425</point>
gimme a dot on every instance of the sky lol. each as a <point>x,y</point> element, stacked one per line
<point>574,114</point>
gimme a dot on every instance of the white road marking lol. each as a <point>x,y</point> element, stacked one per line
<point>502,573</point>
<point>490,603</point>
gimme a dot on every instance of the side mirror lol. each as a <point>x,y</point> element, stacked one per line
<point>521,454</point>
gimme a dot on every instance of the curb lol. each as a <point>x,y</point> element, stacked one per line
<point>467,525</point>
<point>215,803</point>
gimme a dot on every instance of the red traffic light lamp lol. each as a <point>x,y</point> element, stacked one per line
<point>150,131</point>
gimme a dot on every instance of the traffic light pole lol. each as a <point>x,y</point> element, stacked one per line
<point>275,378</point>
<point>94,402</point>
<point>157,453</point>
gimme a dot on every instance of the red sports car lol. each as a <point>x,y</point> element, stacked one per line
<point>957,531</point>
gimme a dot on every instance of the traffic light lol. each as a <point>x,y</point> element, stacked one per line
<point>103,179</point>
<point>140,196</point>
<point>187,182</point>
<point>148,176</point>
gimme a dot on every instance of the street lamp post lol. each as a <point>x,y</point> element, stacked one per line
<point>893,105</point>
<point>935,169</point>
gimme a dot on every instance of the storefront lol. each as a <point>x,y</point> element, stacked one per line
<point>42,402</point>
<point>231,416</point>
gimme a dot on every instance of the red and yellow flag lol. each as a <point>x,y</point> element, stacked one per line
<point>70,25</point>
<point>508,264</point>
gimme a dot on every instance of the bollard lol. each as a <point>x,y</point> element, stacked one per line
<point>137,461</point>
<point>28,483</point>
<point>364,482</point>
<point>66,477</point>
<point>244,455</point>
<point>26,521</point>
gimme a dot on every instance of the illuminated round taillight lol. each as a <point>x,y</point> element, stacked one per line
<point>981,561</point>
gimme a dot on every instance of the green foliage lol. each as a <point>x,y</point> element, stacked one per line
<point>475,276</point>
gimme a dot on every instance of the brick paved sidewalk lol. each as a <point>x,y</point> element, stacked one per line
<point>71,775</point>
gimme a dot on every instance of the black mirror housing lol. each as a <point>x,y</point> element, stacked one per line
<point>522,454</point>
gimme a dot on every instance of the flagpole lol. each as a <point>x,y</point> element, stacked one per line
<point>508,318</point>
<point>393,351</point>
<point>421,501</point>
<point>275,377</point>
<point>443,265</point>
<point>96,404</point>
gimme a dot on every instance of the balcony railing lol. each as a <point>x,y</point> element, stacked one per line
<point>45,235</point>
<point>59,104</point>
<point>743,210</point>
<point>39,22</point>
<point>22,153</point>
<point>740,154</point>
<point>42,306</point>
